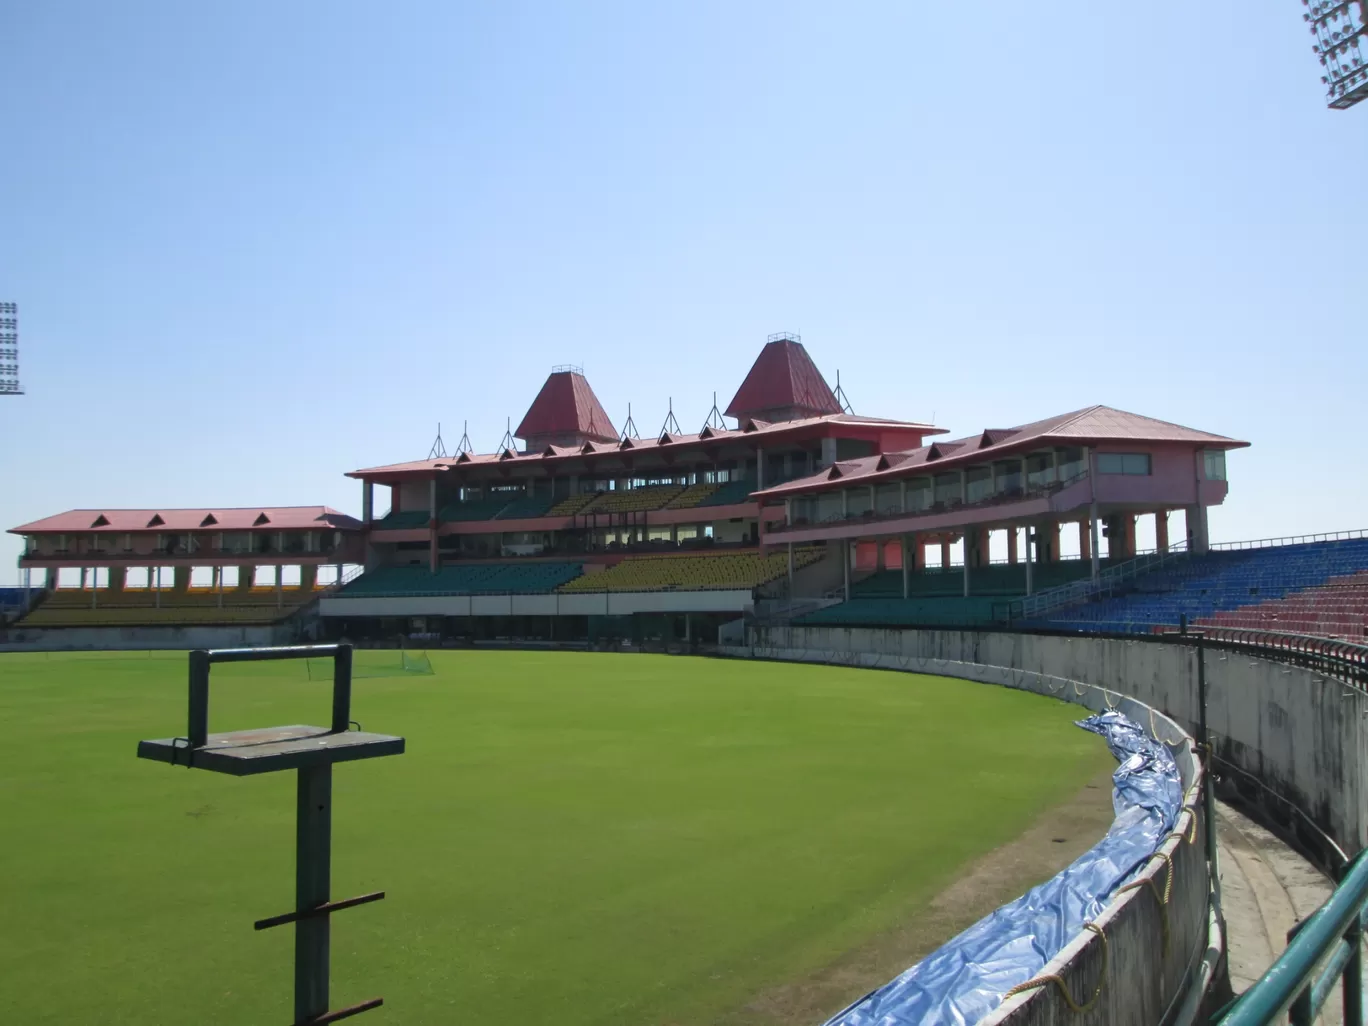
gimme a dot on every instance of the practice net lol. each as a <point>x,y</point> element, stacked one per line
<point>375,662</point>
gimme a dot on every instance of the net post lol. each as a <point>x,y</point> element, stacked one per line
<point>313,873</point>
<point>342,681</point>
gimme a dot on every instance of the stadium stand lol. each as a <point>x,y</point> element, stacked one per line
<point>729,494</point>
<point>691,496</point>
<point>1202,587</point>
<point>405,520</point>
<point>527,506</point>
<point>475,509</point>
<point>731,570</point>
<point>995,580</point>
<point>71,607</point>
<point>900,612</point>
<point>633,500</point>
<point>468,579</point>
<point>571,505</point>
<point>1336,609</point>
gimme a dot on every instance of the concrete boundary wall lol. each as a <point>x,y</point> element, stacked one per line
<point>70,639</point>
<point>1155,934</point>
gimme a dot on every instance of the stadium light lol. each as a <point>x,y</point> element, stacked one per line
<point>9,349</point>
<point>1339,29</point>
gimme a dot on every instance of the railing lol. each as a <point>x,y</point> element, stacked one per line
<point>1292,539</point>
<point>1332,939</point>
<point>1108,581</point>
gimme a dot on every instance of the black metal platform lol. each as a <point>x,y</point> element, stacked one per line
<point>244,752</point>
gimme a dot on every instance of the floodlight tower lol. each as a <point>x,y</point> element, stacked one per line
<point>312,751</point>
<point>9,349</point>
<point>1339,29</point>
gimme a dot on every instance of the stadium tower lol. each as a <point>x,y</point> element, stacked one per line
<point>566,412</point>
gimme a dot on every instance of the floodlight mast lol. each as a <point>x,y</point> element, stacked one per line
<point>312,751</point>
<point>9,350</point>
<point>1339,28</point>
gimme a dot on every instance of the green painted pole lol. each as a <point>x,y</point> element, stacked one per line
<point>313,871</point>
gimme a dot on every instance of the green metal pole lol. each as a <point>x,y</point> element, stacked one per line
<point>1352,981</point>
<point>313,870</point>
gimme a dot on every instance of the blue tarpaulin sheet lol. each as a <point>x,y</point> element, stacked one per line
<point>964,980</point>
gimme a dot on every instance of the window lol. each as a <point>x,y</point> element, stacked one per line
<point>979,484</point>
<point>1215,464</point>
<point>947,488</point>
<point>1040,471</point>
<point>918,494</point>
<point>1133,463</point>
<point>1071,463</point>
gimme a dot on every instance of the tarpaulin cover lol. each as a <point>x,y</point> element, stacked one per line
<point>965,979</point>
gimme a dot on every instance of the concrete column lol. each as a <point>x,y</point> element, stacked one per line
<point>1084,539</point>
<point>432,498</point>
<point>181,578</point>
<point>759,468</point>
<point>1128,528</point>
<point>985,551</point>
<point>849,554</point>
<point>1199,540</point>
<point>964,488</point>
<point>873,500</point>
<point>1092,542</point>
<point>945,552</point>
<point>218,586</point>
<point>1030,560</point>
<point>908,544</point>
<point>790,570</point>
<point>1161,541</point>
<point>845,503</point>
<point>788,464</point>
<point>1012,544</point>
<point>94,580</point>
<point>156,592</point>
<point>279,585</point>
<point>880,563</point>
<point>118,577</point>
<point>367,502</point>
<point>918,553</point>
<point>308,576</point>
<point>828,452</point>
<point>902,495</point>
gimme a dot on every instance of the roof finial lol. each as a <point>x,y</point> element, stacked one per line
<point>508,441</point>
<point>841,396</point>
<point>629,430</point>
<point>671,426</point>
<point>715,420</point>
<point>438,450</point>
<point>464,444</point>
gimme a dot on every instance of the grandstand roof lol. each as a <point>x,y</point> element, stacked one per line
<point>566,405</point>
<point>783,377</point>
<point>1094,425</point>
<point>752,432</point>
<point>244,518</point>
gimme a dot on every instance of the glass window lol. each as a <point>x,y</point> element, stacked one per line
<point>890,498</point>
<point>1040,471</point>
<point>1071,463</point>
<point>947,488</point>
<point>1215,464</point>
<point>1008,477</point>
<point>858,501</point>
<point>918,494</point>
<point>829,505</point>
<point>1134,463</point>
<point>979,484</point>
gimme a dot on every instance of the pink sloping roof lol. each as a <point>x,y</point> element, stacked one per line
<point>567,405</point>
<point>244,518</point>
<point>680,443</point>
<point>782,376</point>
<point>1094,424</point>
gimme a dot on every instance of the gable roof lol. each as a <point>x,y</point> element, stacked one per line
<point>1089,426</point>
<point>566,405</point>
<point>782,377</point>
<point>137,521</point>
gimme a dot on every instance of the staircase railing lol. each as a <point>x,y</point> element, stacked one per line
<point>1107,583</point>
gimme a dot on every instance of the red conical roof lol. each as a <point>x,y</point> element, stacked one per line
<point>565,412</point>
<point>783,384</point>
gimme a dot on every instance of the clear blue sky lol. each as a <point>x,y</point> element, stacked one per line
<point>257,245</point>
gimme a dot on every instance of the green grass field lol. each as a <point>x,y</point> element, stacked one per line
<point>570,838</point>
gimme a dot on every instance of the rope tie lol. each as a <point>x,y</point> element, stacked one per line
<point>1162,899</point>
<point>1058,980</point>
<point>1107,697</point>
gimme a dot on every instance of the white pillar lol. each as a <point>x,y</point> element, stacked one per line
<point>1030,562</point>
<point>367,502</point>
